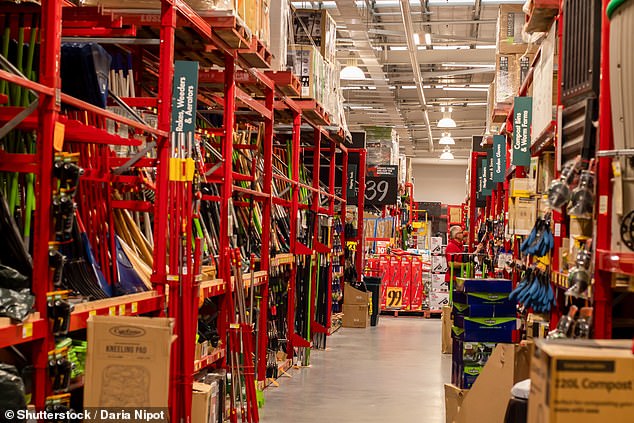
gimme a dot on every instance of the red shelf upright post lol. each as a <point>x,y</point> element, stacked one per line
<point>315,206</point>
<point>331,188</point>
<point>603,279</point>
<point>226,190</point>
<point>359,257</point>
<point>266,235</point>
<point>50,49</point>
<point>295,148</point>
<point>166,75</point>
<point>163,194</point>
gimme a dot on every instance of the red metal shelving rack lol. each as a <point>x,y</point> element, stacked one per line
<point>224,43</point>
<point>606,261</point>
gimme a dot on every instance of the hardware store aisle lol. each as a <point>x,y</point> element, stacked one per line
<point>391,373</point>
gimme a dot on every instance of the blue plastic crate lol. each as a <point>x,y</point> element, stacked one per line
<point>505,309</point>
<point>464,376</point>
<point>471,353</point>
<point>484,329</point>
<point>483,285</point>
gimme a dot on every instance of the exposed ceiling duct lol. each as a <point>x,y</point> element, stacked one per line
<point>406,16</point>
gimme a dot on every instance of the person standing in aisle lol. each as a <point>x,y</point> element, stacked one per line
<point>454,252</point>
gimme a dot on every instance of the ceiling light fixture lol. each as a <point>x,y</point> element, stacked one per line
<point>428,38</point>
<point>468,65</point>
<point>446,139</point>
<point>446,154</point>
<point>352,72</point>
<point>416,39</point>
<point>466,89</point>
<point>446,121</point>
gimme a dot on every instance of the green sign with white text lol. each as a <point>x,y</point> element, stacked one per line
<point>184,92</point>
<point>522,119</point>
<point>486,190</point>
<point>499,158</point>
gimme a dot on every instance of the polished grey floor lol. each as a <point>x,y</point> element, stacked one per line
<point>391,373</point>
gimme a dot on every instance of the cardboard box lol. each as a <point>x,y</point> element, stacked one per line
<point>436,245</point>
<point>537,326</point>
<point>307,63</point>
<point>279,27</point>
<point>453,401</point>
<point>580,227</point>
<point>507,365</point>
<point>447,323</point>
<point>507,81</point>
<point>522,187</point>
<point>353,296</point>
<point>356,316</point>
<point>524,215</point>
<point>578,382</point>
<point>318,27</point>
<point>525,62</point>
<point>128,361</point>
<point>201,403</point>
<point>439,264</point>
<point>438,282</point>
<point>509,29</point>
<point>437,300</point>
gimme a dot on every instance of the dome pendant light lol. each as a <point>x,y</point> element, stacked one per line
<point>446,154</point>
<point>446,121</point>
<point>352,72</point>
<point>446,139</point>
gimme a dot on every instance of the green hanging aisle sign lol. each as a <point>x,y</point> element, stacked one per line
<point>499,158</point>
<point>522,119</point>
<point>490,160</point>
<point>184,92</point>
<point>486,190</point>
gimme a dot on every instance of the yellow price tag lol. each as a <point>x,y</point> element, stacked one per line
<point>92,313</point>
<point>121,309</point>
<point>394,297</point>
<point>352,245</point>
<point>135,307</point>
<point>27,330</point>
<point>112,311</point>
<point>58,136</point>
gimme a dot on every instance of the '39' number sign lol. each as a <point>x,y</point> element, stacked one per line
<point>381,185</point>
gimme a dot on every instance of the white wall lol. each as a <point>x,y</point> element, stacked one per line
<point>439,182</point>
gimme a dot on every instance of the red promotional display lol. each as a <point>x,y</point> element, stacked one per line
<point>406,277</point>
<point>384,274</point>
<point>416,287</point>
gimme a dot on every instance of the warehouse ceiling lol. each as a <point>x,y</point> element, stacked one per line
<point>455,67</point>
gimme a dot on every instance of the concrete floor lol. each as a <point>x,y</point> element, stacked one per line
<point>391,373</point>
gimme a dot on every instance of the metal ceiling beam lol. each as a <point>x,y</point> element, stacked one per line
<point>442,56</point>
<point>406,15</point>
<point>440,23</point>
<point>477,10</point>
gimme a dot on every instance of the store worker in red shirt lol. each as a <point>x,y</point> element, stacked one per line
<point>455,251</point>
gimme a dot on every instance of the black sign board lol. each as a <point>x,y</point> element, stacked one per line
<point>358,140</point>
<point>381,185</point>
